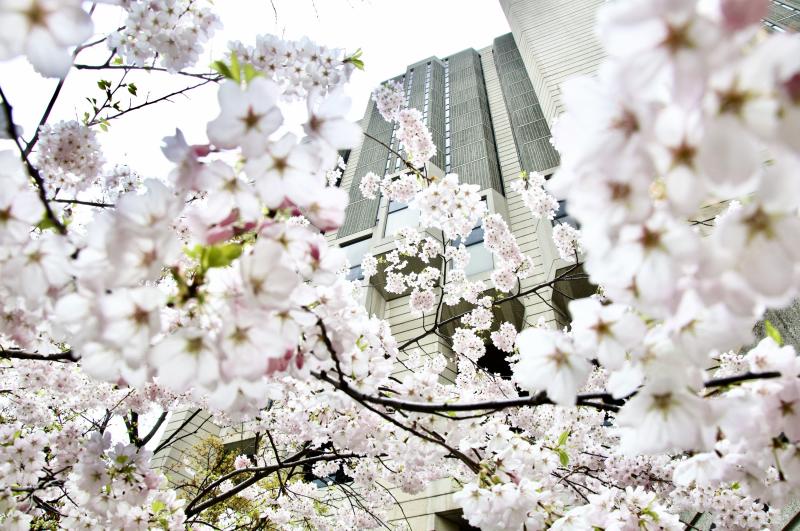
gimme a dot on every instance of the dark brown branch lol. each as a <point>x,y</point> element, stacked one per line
<point>172,435</point>
<point>82,202</point>
<point>166,97</point>
<point>20,355</point>
<point>35,138</point>
<point>532,290</point>
<point>606,401</point>
<point>259,473</point>
<point>210,76</point>
<point>398,155</point>
<point>32,171</point>
<point>540,399</point>
<point>722,382</point>
<point>153,430</point>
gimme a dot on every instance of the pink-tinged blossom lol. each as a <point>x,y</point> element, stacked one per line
<point>286,173</point>
<point>186,358</point>
<point>326,208</point>
<point>242,461</point>
<point>738,14</point>
<point>43,30</point>
<point>298,66</point>
<point>467,343</point>
<point>452,207</point>
<point>369,266</point>
<point>267,275</point>
<point>327,121</point>
<point>663,416</point>
<point>42,267</point>
<point>605,332</point>
<point>189,172</point>
<point>662,42</point>
<point>414,137</point>
<point>247,116</point>
<point>548,362</point>
<point>422,301</point>
<point>757,242</point>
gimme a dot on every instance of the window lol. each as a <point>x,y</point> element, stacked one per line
<point>562,216</point>
<point>355,251</point>
<point>447,115</point>
<point>480,259</point>
<point>400,215</point>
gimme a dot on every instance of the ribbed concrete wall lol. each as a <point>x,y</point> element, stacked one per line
<point>556,39</point>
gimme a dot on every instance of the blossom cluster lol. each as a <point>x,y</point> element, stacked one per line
<point>450,206</point>
<point>68,156</point>
<point>172,32</point>
<point>410,129</point>
<point>512,264</point>
<point>530,186</point>
<point>300,67</point>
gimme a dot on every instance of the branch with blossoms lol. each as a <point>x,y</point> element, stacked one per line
<point>213,289</point>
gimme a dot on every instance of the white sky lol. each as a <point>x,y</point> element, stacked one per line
<point>392,34</point>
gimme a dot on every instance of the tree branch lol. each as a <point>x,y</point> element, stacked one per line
<point>32,171</point>
<point>20,355</point>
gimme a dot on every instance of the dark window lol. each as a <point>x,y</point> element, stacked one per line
<point>495,361</point>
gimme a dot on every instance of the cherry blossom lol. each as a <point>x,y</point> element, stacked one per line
<point>43,30</point>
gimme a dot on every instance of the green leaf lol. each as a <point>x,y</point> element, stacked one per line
<point>355,59</point>
<point>562,439</point>
<point>158,506</point>
<point>773,333</point>
<point>222,255</point>
<point>132,88</point>
<point>222,69</point>
<point>236,71</point>
<point>118,60</point>
<point>250,73</point>
<point>104,125</point>
<point>103,84</point>
<point>563,457</point>
<point>46,223</point>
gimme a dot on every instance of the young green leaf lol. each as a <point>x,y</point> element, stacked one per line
<point>236,71</point>
<point>562,439</point>
<point>221,68</point>
<point>563,457</point>
<point>773,333</point>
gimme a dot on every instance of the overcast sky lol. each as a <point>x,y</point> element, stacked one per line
<point>392,34</point>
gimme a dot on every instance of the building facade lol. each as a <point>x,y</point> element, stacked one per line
<point>489,124</point>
